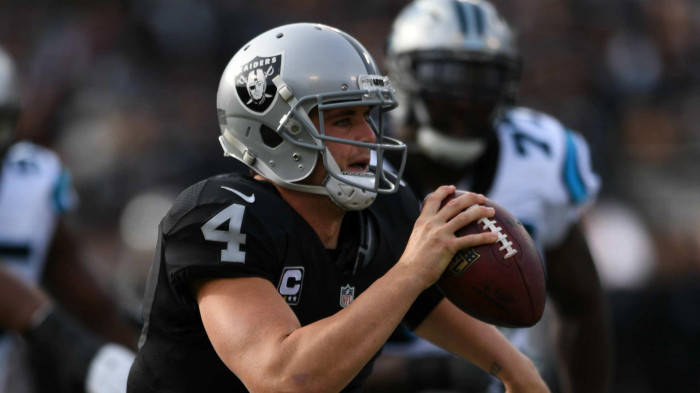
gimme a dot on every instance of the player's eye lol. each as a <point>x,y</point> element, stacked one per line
<point>343,122</point>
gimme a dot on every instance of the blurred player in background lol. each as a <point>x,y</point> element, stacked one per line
<point>456,69</point>
<point>36,250</point>
<point>291,278</point>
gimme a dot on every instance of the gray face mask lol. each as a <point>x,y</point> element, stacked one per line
<point>274,82</point>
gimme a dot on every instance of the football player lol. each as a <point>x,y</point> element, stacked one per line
<point>292,277</point>
<point>35,248</point>
<point>456,68</point>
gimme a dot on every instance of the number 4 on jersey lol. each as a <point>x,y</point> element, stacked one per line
<point>232,237</point>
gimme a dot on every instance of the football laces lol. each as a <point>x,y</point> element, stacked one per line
<point>502,237</point>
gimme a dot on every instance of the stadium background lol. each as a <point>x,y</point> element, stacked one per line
<point>125,92</point>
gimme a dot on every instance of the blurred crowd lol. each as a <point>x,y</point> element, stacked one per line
<point>125,92</point>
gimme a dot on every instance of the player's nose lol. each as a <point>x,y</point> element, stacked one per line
<point>366,133</point>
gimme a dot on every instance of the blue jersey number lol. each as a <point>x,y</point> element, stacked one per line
<point>521,140</point>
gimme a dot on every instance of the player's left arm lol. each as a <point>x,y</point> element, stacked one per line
<point>482,344</point>
<point>584,340</point>
<point>18,302</point>
<point>78,292</point>
<point>68,358</point>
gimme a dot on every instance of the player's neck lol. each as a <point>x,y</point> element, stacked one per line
<point>324,216</point>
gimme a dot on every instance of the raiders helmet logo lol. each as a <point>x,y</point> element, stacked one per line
<point>254,83</point>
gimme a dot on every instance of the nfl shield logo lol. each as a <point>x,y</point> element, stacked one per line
<point>347,295</point>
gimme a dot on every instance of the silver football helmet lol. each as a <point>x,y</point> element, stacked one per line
<point>267,91</point>
<point>455,63</point>
<point>9,99</point>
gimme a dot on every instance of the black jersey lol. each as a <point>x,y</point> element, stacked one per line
<point>233,226</point>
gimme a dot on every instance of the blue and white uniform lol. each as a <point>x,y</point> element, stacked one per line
<point>34,190</point>
<point>543,176</point>
<point>545,179</point>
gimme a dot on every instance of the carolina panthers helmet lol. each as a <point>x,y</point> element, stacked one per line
<point>266,94</point>
<point>9,99</point>
<point>455,63</point>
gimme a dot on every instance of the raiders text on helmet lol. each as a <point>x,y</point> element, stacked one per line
<point>455,63</point>
<point>267,91</point>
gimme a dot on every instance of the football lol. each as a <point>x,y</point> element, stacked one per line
<point>502,283</point>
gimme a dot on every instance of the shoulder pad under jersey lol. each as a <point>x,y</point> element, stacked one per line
<point>222,227</point>
<point>544,174</point>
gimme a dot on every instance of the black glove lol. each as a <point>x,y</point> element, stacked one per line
<point>60,352</point>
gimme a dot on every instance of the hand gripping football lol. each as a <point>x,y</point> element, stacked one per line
<point>502,283</point>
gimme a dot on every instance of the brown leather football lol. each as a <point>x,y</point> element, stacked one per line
<point>501,283</point>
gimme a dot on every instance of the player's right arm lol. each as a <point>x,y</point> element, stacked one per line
<point>264,344</point>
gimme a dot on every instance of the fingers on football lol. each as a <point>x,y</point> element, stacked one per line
<point>469,215</point>
<point>477,239</point>
<point>457,205</point>
<point>473,213</point>
<point>432,202</point>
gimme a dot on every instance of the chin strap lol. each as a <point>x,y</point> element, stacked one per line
<point>342,192</point>
<point>454,151</point>
<point>349,197</point>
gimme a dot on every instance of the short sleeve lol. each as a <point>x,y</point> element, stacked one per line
<point>217,241</point>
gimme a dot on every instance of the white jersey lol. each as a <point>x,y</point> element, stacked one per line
<point>545,179</point>
<point>34,191</point>
<point>543,176</point>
